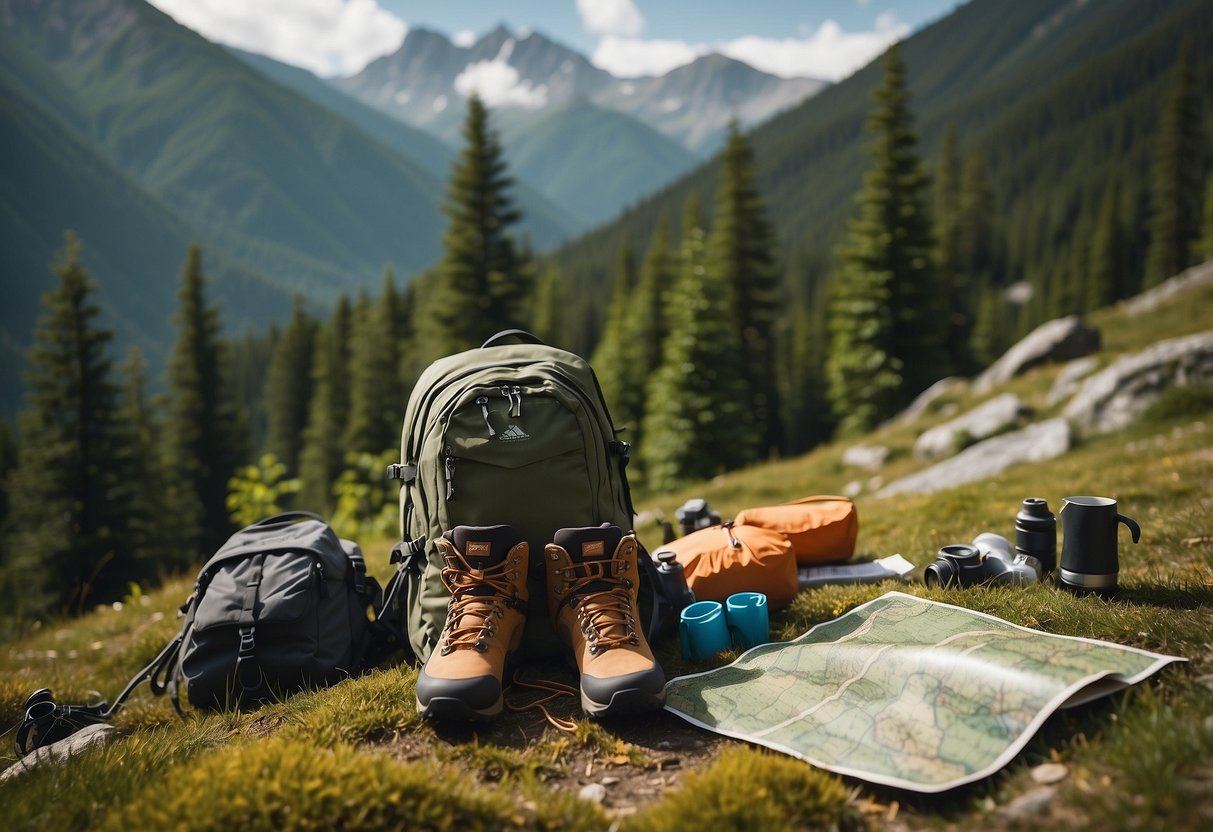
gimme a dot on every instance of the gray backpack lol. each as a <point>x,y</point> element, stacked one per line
<point>516,434</point>
<point>281,606</point>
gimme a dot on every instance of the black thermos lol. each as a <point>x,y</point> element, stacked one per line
<point>1036,533</point>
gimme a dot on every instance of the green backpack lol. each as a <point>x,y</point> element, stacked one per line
<point>515,434</point>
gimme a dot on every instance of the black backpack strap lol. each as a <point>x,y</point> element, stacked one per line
<point>287,517</point>
<point>46,721</point>
<point>248,669</point>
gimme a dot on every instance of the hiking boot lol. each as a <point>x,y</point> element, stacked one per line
<point>485,571</point>
<point>592,587</point>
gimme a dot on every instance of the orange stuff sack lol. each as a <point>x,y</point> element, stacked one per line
<point>822,529</point>
<point>720,560</point>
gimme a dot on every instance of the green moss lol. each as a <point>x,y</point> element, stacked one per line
<point>747,789</point>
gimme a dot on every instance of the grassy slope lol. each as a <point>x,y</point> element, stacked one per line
<point>355,753</point>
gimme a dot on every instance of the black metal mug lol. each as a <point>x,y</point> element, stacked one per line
<point>1089,558</point>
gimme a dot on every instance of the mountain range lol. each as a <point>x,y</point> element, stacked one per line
<point>525,75</point>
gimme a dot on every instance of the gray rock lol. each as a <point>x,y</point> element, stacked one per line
<point>594,792</point>
<point>1116,395</point>
<point>951,384</point>
<point>1201,275</point>
<point>871,457</point>
<point>1068,378</point>
<point>981,422</point>
<point>852,489</point>
<point>1058,340</point>
<point>59,752</point>
<point>1032,802</point>
<point>1035,443</point>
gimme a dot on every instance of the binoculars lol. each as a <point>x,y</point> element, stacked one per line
<point>988,559</point>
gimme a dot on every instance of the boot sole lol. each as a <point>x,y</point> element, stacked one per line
<point>456,710</point>
<point>626,702</point>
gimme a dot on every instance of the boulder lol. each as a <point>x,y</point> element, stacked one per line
<point>871,457</point>
<point>981,422</point>
<point>1035,443</point>
<point>59,752</point>
<point>1061,339</point>
<point>951,384</point>
<point>1068,378</point>
<point>1201,275</point>
<point>1116,395</point>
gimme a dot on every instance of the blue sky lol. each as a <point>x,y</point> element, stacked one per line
<point>825,39</point>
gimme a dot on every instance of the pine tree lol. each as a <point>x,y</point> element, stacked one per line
<point>8,461</point>
<point>376,409</point>
<point>1108,254</point>
<point>885,335</point>
<point>610,359</point>
<point>550,319</point>
<point>65,548</point>
<point>483,287</point>
<point>949,228</point>
<point>323,450</point>
<point>697,420</point>
<point>974,264</point>
<point>742,249</point>
<point>1177,179</point>
<point>288,388</point>
<point>206,434</point>
<point>143,478</point>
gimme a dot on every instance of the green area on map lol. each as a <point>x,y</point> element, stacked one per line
<point>904,691</point>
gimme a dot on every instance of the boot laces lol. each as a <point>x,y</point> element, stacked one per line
<point>473,614</point>
<point>602,599</point>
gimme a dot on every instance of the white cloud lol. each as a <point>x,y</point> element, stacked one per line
<point>633,57</point>
<point>611,17</point>
<point>464,38</point>
<point>828,53</point>
<point>498,85</point>
<point>329,37</point>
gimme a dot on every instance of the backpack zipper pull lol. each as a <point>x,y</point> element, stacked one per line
<point>449,466</point>
<point>516,397</point>
<point>483,401</point>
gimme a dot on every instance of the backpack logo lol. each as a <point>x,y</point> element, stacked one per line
<point>514,434</point>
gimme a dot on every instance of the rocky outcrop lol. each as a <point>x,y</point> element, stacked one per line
<point>1068,378</point>
<point>1035,443</point>
<point>1116,395</point>
<point>871,457</point>
<point>981,422</point>
<point>941,388</point>
<point>1201,275</point>
<point>1061,339</point>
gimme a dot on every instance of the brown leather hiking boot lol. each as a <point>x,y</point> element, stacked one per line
<point>486,570</point>
<point>592,584</point>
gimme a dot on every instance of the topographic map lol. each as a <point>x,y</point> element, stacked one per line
<point>906,692</point>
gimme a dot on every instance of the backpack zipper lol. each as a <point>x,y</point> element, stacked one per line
<point>448,465</point>
<point>483,401</point>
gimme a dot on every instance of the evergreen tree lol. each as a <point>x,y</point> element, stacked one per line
<point>975,257</point>
<point>251,354</point>
<point>610,359</point>
<point>65,547</point>
<point>742,249</point>
<point>885,335</point>
<point>1207,239</point>
<point>206,435</point>
<point>8,461</point>
<point>323,451</point>
<point>143,479</point>
<point>1108,254</point>
<point>483,286</point>
<point>953,273</point>
<point>697,421</point>
<point>1177,179</point>
<point>550,319</point>
<point>288,388</point>
<point>376,410</point>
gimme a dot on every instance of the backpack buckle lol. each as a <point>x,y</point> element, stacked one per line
<point>404,473</point>
<point>409,552</point>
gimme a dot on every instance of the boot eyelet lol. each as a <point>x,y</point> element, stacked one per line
<point>481,646</point>
<point>594,650</point>
<point>624,566</point>
<point>446,649</point>
<point>635,639</point>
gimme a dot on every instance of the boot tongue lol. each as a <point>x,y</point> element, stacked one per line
<point>590,542</point>
<point>483,547</point>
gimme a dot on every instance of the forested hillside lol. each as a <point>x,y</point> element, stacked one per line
<point>1051,101</point>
